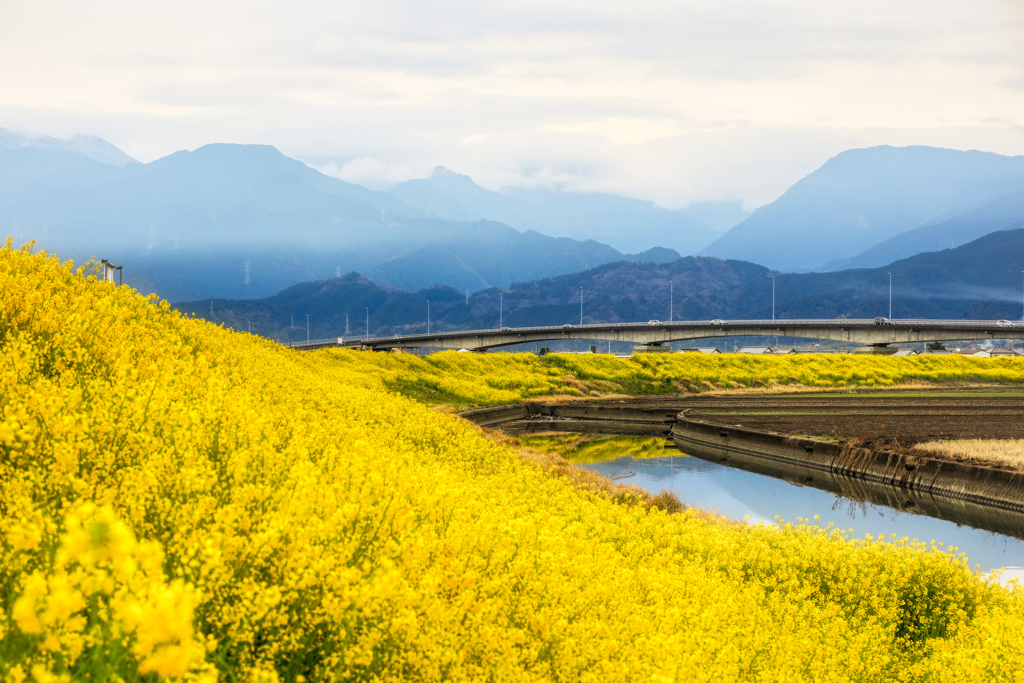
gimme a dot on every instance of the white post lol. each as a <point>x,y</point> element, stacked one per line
<point>501,311</point>
<point>890,296</point>
<point>773,300</point>
<point>307,327</point>
<point>671,313</point>
<point>428,317</point>
<point>581,305</point>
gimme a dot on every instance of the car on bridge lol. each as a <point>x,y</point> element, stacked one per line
<point>1007,323</point>
<point>882,320</point>
<point>717,321</point>
<point>653,322</point>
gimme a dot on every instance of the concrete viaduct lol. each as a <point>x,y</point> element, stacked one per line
<point>871,332</point>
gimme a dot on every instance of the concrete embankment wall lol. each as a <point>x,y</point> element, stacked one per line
<point>982,497</point>
<point>747,448</point>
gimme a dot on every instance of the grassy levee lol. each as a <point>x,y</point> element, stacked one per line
<point>179,501</point>
<point>466,380</point>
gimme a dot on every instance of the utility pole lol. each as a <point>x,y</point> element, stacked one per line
<point>307,327</point>
<point>773,301</point>
<point>250,325</point>
<point>581,305</point>
<point>346,323</point>
<point>671,294</point>
<point>890,296</point>
<point>501,311</point>
<point>367,323</point>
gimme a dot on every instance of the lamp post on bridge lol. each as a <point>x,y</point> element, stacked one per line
<point>428,316</point>
<point>890,296</point>
<point>307,328</point>
<point>501,310</point>
<point>581,306</point>
<point>367,323</point>
<point>671,313</point>
<point>773,299</point>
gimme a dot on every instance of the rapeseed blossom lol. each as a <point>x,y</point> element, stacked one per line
<point>181,502</point>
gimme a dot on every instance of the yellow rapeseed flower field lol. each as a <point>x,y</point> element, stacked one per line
<point>183,502</point>
<point>468,379</point>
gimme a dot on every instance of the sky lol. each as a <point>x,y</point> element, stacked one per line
<point>674,102</point>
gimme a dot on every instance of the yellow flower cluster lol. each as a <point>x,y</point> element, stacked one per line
<point>466,379</point>
<point>179,501</point>
<point>812,369</point>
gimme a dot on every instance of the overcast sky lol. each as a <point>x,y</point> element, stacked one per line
<point>669,101</point>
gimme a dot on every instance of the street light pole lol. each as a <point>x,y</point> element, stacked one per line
<point>428,316</point>
<point>671,293</point>
<point>773,297</point>
<point>581,305</point>
<point>307,327</point>
<point>501,311</point>
<point>367,323</point>
<point>890,296</point>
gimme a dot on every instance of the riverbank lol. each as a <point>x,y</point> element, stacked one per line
<point>709,428</point>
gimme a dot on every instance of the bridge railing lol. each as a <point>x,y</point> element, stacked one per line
<point>424,339</point>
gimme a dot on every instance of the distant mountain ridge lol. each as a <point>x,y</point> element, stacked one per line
<point>613,292</point>
<point>624,223</point>
<point>247,221</point>
<point>979,280</point>
<point>863,197</point>
<point>88,146</point>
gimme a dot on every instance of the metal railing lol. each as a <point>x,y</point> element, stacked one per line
<point>422,339</point>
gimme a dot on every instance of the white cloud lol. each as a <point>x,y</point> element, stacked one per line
<point>671,101</point>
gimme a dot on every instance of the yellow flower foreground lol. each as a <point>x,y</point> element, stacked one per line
<point>179,501</point>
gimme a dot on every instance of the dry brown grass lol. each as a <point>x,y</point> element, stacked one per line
<point>998,451</point>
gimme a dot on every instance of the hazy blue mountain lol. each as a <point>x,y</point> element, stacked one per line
<point>86,145</point>
<point>426,196</point>
<point>1002,213</point>
<point>978,280</point>
<point>614,292</point>
<point>488,254</point>
<point>865,196</point>
<point>624,223</point>
<point>186,226</point>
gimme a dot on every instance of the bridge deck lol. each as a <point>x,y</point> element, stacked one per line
<point>867,332</point>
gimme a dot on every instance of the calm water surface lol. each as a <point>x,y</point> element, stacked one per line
<point>740,494</point>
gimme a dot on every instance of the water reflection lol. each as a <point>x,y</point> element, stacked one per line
<point>741,494</point>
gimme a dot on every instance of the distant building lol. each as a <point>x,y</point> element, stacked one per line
<point>907,352</point>
<point>756,349</point>
<point>995,352</point>
<point>704,349</point>
<point>766,350</point>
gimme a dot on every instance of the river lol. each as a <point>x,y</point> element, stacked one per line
<point>757,498</point>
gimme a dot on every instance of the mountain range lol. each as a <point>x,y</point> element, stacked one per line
<point>624,223</point>
<point>979,280</point>
<point>867,207</point>
<point>247,221</point>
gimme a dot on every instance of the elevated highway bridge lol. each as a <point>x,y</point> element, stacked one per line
<point>869,332</point>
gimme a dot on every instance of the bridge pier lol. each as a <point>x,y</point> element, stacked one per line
<point>877,349</point>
